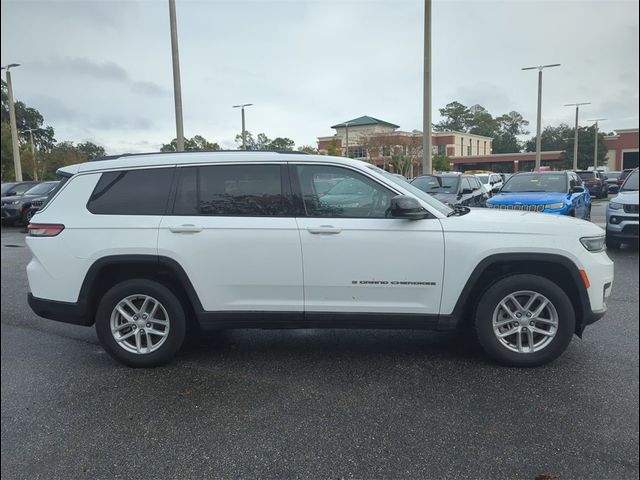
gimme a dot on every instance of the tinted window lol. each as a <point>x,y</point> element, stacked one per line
<point>631,183</point>
<point>132,192</point>
<point>536,182</point>
<point>353,196</point>
<point>433,184</point>
<point>41,189</point>
<point>6,187</point>
<point>230,190</point>
<point>587,175</point>
<point>466,184</point>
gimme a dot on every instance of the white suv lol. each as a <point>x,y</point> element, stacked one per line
<point>149,247</point>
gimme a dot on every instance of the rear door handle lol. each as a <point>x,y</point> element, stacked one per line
<point>186,228</point>
<point>324,229</point>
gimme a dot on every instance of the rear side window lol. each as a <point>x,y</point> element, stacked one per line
<point>230,190</point>
<point>132,192</point>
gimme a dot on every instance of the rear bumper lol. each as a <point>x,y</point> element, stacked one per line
<point>74,313</point>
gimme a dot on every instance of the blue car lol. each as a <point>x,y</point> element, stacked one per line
<point>561,193</point>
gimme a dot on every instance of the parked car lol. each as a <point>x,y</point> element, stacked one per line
<point>622,214</point>
<point>561,193</point>
<point>490,182</point>
<point>453,189</point>
<point>595,182</point>
<point>17,209</point>
<point>15,189</point>
<point>151,246</point>
<point>612,182</point>
<point>623,176</point>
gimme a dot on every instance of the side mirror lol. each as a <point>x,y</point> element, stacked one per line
<point>495,190</point>
<point>577,189</point>
<point>404,206</point>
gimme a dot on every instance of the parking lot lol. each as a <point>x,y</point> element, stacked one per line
<point>319,404</point>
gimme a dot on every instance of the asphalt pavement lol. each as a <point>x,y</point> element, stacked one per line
<point>316,403</point>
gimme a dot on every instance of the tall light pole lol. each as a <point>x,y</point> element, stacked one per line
<point>539,120</point>
<point>595,149</point>
<point>575,139</point>
<point>177,88</point>
<point>427,160</point>
<point>17,166</point>
<point>346,140</point>
<point>244,131</point>
<point>33,152</point>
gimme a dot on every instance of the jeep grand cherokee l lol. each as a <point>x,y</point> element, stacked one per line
<point>147,247</point>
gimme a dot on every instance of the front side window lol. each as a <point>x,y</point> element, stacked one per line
<point>230,190</point>
<point>351,195</point>
<point>631,183</point>
<point>132,192</point>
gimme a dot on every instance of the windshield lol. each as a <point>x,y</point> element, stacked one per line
<point>536,182</point>
<point>613,175</point>
<point>586,175</point>
<point>631,183</point>
<point>425,197</point>
<point>483,178</point>
<point>433,184</point>
<point>41,189</point>
<point>6,187</point>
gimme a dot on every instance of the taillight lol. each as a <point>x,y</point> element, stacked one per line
<point>44,229</point>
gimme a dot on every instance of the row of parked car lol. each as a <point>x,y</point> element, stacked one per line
<point>20,200</point>
<point>563,193</point>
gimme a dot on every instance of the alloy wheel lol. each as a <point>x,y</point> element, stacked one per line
<point>139,324</point>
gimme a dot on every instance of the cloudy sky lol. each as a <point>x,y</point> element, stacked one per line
<point>101,70</point>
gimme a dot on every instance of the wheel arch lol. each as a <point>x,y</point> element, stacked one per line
<point>557,268</point>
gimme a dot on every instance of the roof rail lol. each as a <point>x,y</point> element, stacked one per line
<point>113,157</point>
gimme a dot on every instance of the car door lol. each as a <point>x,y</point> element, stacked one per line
<point>231,230</point>
<point>580,201</point>
<point>465,195</point>
<point>479,196</point>
<point>357,259</point>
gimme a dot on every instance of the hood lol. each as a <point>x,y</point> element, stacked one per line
<point>626,198</point>
<point>527,198</point>
<point>501,222</point>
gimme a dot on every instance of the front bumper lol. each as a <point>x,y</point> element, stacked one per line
<point>622,225</point>
<point>10,213</point>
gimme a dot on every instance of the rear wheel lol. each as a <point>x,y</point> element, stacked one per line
<point>140,323</point>
<point>524,321</point>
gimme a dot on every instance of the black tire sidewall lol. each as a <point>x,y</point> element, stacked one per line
<point>169,301</point>
<point>494,294</point>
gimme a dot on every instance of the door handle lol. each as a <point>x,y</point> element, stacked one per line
<point>186,228</point>
<point>324,229</point>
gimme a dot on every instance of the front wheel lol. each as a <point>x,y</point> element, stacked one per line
<point>140,323</point>
<point>524,321</point>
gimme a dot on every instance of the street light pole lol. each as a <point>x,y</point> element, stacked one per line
<point>595,149</point>
<point>427,160</point>
<point>17,166</point>
<point>346,140</point>
<point>177,88</point>
<point>539,119</point>
<point>575,139</point>
<point>243,133</point>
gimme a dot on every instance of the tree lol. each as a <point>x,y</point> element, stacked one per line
<point>562,137</point>
<point>482,122</point>
<point>90,150</point>
<point>457,117</point>
<point>333,149</point>
<point>196,143</point>
<point>262,142</point>
<point>308,149</point>
<point>441,163</point>
<point>282,144</point>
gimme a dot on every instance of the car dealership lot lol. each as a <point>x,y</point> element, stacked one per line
<point>317,403</point>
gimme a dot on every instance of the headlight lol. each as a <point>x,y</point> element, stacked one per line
<point>615,206</point>
<point>593,244</point>
<point>15,202</point>
<point>554,206</point>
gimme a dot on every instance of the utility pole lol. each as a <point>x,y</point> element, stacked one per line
<point>17,166</point>
<point>177,88</point>
<point>243,133</point>
<point>595,149</point>
<point>346,134</point>
<point>539,119</point>
<point>575,139</point>
<point>427,157</point>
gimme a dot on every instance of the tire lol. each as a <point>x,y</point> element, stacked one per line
<point>547,347</point>
<point>151,350</point>
<point>612,243</point>
<point>25,218</point>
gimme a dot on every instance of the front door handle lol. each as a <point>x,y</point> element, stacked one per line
<point>185,228</point>
<point>324,229</point>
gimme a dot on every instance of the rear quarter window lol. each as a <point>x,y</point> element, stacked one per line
<point>132,192</point>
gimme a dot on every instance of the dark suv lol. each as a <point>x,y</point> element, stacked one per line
<point>17,208</point>
<point>595,182</point>
<point>453,189</point>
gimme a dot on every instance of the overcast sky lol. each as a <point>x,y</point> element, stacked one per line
<point>101,70</point>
